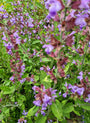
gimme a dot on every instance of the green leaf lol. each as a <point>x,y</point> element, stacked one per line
<point>1,116</point>
<point>35,42</point>
<point>41,119</point>
<point>39,5</point>
<point>76,112</point>
<point>32,111</point>
<point>57,109</point>
<point>29,121</point>
<point>45,60</point>
<point>7,90</point>
<point>67,67</point>
<point>85,106</point>
<point>67,108</point>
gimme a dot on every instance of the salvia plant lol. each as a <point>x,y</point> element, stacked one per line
<point>45,61</point>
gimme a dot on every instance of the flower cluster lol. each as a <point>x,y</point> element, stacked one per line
<point>54,6</point>
<point>79,90</point>
<point>44,97</point>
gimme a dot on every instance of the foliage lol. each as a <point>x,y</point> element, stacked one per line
<point>44,61</point>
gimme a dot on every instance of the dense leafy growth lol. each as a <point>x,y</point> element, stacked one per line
<point>45,61</point>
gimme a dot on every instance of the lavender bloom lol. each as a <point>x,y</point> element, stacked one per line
<point>89,44</point>
<point>12,78</point>
<point>15,34</point>
<point>80,21</point>
<point>87,99</point>
<point>31,79</point>
<point>65,95</point>
<point>24,113</point>
<point>22,68</point>
<point>84,4</point>
<point>48,47</point>
<point>81,76</point>
<point>41,68</point>
<point>37,103</point>
<point>70,86</point>
<point>48,69</point>
<point>74,89</point>
<point>52,11</point>
<point>2,9</point>
<point>54,6</point>
<point>80,91</point>
<point>18,40</point>
<point>74,62</point>
<point>44,106</point>
<point>59,93</point>
<point>66,84</point>
<point>81,73</point>
<point>49,121</point>
<point>4,37</point>
<point>8,45</point>
<point>44,97</point>
<point>23,80</point>
<point>43,113</point>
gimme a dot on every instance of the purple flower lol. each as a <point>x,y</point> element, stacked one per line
<point>70,86</point>
<point>48,69</point>
<point>80,91</point>
<point>37,103</point>
<point>54,6</point>
<point>74,89</point>
<point>59,93</point>
<point>81,73</point>
<point>15,34</point>
<point>4,37</point>
<point>22,68</point>
<point>43,113</point>
<point>74,62</point>
<point>48,47</point>
<point>66,84</point>
<point>50,121</point>
<point>41,68</point>
<point>18,40</point>
<point>23,80</point>
<point>12,78</point>
<point>52,11</point>
<point>84,4</point>
<point>65,95</point>
<point>31,79</point>
<point>44,106</point>
<point>80,21</point>
<point>46,99</point>
<point>87,99</point>
<point>81,76</point>
<point>24,113</point>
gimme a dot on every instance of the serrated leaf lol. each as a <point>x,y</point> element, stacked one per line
<point>32,111</point>
<point>57,109</point>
